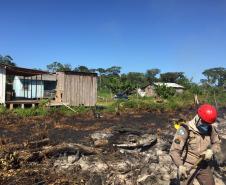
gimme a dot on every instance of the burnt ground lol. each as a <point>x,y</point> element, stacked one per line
<point>24,142</point>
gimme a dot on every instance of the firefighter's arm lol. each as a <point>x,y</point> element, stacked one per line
<point>215,141</point>
<point>216,146</point>
<point>177,146</point>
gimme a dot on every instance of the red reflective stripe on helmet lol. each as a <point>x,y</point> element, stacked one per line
<point>207,113</point>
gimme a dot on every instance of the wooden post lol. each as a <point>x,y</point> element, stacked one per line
<point>10,106</point>
<point>31,87</point>
<point>41,86</point>
<point>196,100</point>
<point>27,87</point>
<point>24,86</point>
<point>22,106</point>
<point>36,93</point>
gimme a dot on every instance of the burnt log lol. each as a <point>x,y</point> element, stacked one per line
<point>35,157</point>
<point>70,149</point>
<point>123,130</point>
<point>38,144</point>
<point>143,142</point>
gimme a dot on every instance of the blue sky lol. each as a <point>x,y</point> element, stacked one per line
<point>172,35</point>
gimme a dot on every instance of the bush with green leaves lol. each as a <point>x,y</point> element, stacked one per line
<point>3,109</point>
<point>164,92</point>
<point>27,112</point>
<point>43,102</point>
<point>119,85</point>
<point>196,89</point>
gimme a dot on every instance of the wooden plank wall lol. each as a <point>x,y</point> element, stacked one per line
<point>79,89</point>
<point>59,86</point>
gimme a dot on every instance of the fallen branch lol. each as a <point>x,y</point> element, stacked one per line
<point>69,108</point>
<point>70,148</point>
<point>38,144</point>
<point>141,143</point>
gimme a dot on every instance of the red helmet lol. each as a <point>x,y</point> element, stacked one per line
<point>207,113</point>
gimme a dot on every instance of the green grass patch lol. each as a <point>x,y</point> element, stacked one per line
<point>30,112</point>
<point>3,109</point>
<point>109,105</point>
<point>104,94</point>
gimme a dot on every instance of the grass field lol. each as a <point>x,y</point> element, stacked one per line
<point>107,104</point>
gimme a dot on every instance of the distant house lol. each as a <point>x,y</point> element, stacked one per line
<point>177,87</point>
<point>40,86</point>
<point>149,90</point>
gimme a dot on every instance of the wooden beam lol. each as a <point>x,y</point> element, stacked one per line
<point>24,86</point>
<point>42,89</point>
<point>31,87</point>
<point>36,93</point>
<point>10,106</point>
<point>27,87</point>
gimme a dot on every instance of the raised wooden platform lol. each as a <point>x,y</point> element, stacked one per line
<point>22,103</point>
<point>53,103</point>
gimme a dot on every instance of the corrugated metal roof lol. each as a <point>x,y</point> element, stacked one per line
<point>78,73</point>
<point>174,85</point>
<point>19,71</point>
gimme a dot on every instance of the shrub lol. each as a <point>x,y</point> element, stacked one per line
<point>42,111</point>
<point>195,89</point>
<point>30,112</point>
<point>24,112</point>
<point>164,92</point>
<point>2,109</point>
<point>43,102</point>
<point>78,110</point>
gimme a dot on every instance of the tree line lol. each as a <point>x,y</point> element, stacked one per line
<point>112,79</point>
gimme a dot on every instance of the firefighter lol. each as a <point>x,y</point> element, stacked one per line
<point>192,140</point>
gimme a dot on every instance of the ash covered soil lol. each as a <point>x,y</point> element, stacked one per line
<point>131,149</point>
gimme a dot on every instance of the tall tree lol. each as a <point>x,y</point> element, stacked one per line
<point>57,66</point>
<point>137,79</point>
<point>82,69</point>
<point>151,75</point>
<point>215,76</point>
<point>7,59</point>
<point>184,81</point>
<point>101,71</point>
<point>91,70</point>
<point>172,77</point>
<point>118,85</point>
<point>114,70</point>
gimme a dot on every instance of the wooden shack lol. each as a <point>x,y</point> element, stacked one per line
<point>76,88</point>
